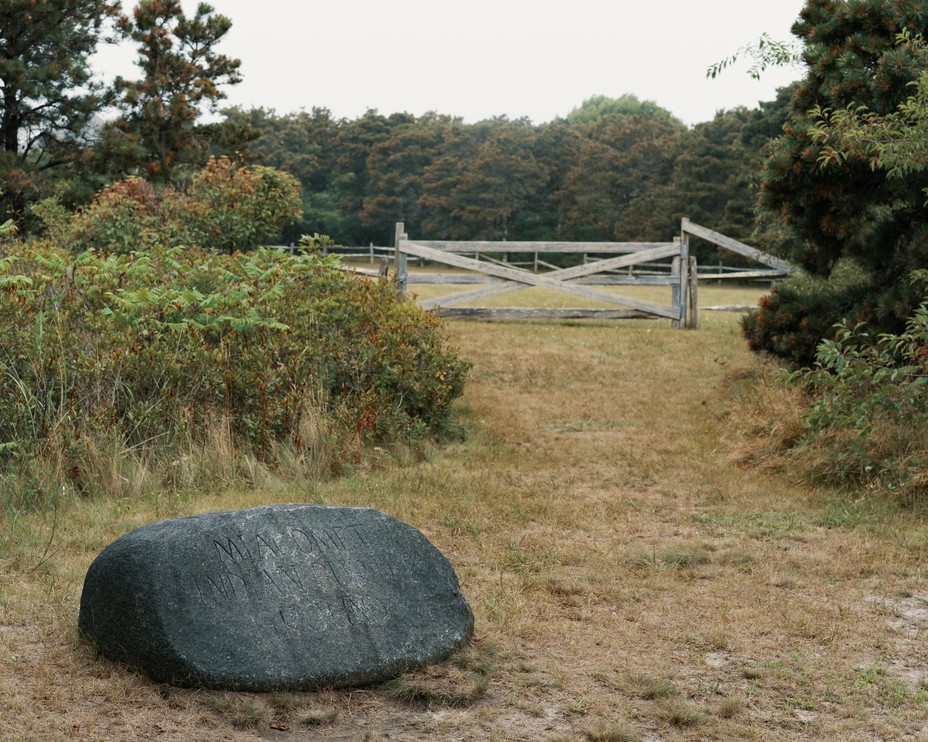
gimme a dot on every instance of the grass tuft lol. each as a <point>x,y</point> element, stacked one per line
<point>651,688</point>
<point>731,707</point>
<point>241,712</point>
<point>320,718</point>
<point>672,559</point>
<point>679,713</point>
<point>604,732</point>
<point>431,694</point>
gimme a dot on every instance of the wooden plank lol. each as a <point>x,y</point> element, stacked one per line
<point>664,250</point>
<point>555,280</point>
<point>665,280</point>
<point>453,278</point>
<point>531,313</point>
<point>465,279</point>
<point>684,282</point>
<point>503,287</point>
<point>735,246</point>
<point>730,308</point>
<point>369,272</point>
<point>493,260</point>
<point>744,275</point>
<point>540,247</point>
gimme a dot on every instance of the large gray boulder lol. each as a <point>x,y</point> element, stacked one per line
<point>282,597</point>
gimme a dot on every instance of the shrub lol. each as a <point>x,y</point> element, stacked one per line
<point>124,217</point>
<point>225,207</point>
<point>228,207</point>
<point>152,352</point>
<point>869,407</point>
<point>800,312</point>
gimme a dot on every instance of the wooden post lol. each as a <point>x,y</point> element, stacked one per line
<point>371,253</point>
<point>675,289</point>
<point>693,313</point>
<point>680,295</point>
<point>685,279</point>
<point>399,258</point>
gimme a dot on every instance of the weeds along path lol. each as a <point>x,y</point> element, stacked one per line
<point>638,567</point>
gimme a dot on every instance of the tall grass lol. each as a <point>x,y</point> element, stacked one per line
<point>182,369</point>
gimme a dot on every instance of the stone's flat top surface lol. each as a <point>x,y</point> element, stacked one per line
<point>279,597</point>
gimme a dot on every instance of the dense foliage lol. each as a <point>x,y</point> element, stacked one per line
<point>792,319</point>
<point>150,352</point>
<point>843,208</point>
<point>224,207</point>
<point>869,407</point>
<point>612,169</point>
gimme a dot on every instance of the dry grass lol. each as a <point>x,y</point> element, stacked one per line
<point>635,574</point>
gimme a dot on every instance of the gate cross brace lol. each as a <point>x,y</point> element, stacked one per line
<point>556,280</point>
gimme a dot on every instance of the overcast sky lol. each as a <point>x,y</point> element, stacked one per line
<point>484,58</point>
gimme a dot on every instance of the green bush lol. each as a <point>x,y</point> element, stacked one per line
<point>869,412</point>
<point>800,312</point>
<point>224,207</point>
<point>150,352</point>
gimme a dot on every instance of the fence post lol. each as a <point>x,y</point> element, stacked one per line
<point>684,279</point>
<point>692,314</point>
<point>680,270</point>
<point>399,258</point>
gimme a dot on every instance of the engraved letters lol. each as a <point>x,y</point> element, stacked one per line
<point>303,576</point>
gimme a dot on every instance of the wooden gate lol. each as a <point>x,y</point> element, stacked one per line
<point>500,277</point>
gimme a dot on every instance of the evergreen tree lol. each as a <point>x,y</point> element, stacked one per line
<point>498,185</point>
<point>851,210</point>
<point>848,210</point>
<point>182,75</point>
<point>395,168</point>
<point>48,96</point>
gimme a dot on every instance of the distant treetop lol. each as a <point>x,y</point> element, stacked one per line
<point>599,106</point>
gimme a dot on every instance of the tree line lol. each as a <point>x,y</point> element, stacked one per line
<point>612,169</point>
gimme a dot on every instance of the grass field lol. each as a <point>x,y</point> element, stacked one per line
<point>643,563</point>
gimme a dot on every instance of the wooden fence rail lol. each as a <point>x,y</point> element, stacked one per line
<point>777,268</point>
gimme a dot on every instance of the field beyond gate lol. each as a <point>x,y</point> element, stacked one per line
<point>642,562</point>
